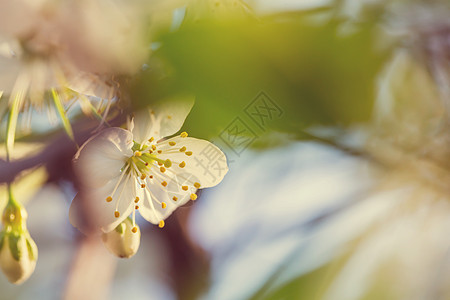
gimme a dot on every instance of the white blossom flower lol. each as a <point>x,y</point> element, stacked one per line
<point>64,51</point>
<point>36,56</point>
<point>123,171</point>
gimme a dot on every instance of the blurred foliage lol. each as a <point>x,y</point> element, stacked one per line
<point>315,73</point>
<point>312,285</point>
<point>316,285</point>
<point>29,181</point>
<point>309,286</point>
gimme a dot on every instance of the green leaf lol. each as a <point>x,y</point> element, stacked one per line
<point>313,73</point>
<point>12,122</point>
<point>62,114</point>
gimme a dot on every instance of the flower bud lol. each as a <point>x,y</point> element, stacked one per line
<point>124,240</point>
<point>18,252</point>
<point>18,255</point>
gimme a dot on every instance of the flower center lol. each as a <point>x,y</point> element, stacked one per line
<point>145,161</point>
<point>147,169</point>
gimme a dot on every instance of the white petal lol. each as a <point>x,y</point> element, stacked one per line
<point>9,71</point>
<point>90,84</point>
<point>145,126</point>
<point>25,11</point>
<point>99,210</point>
<point>101,158</point>
<point>172,115</point>
<point>76,215</point>
<point>161,120</point>
<point>208,164</point>
<point>155,194</point>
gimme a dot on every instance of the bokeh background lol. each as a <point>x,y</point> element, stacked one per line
<point>334,116</point>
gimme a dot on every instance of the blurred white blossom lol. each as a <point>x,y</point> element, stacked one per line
<point>370,223</point>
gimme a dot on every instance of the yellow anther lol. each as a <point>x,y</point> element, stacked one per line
<point>159,151</point>
<point>162,169</point>
<point>184,134</point>
<point>150,151</point>
<point>143,185</point>
<point>193,197</point>
<point>136,207</point>
<point>116,214</point>
<point>169,117</point>
<point>168,163</point>
<point>164,183</point>
<point>163,205</point>
<point>188,153</point>
<point>172,143</point>
<point>197,185</point>
<point>136,200</point>
<point>175,198</point>
<point>143,176</point>
<point>134,230</point>
<point>151,139</point>
<point>138,153</point>
<point>161,224</point>
<point>182,149</point>
<point>182,164</point>
<point>153,147</point>
<point>108,199</point>
<point>185,187</point>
